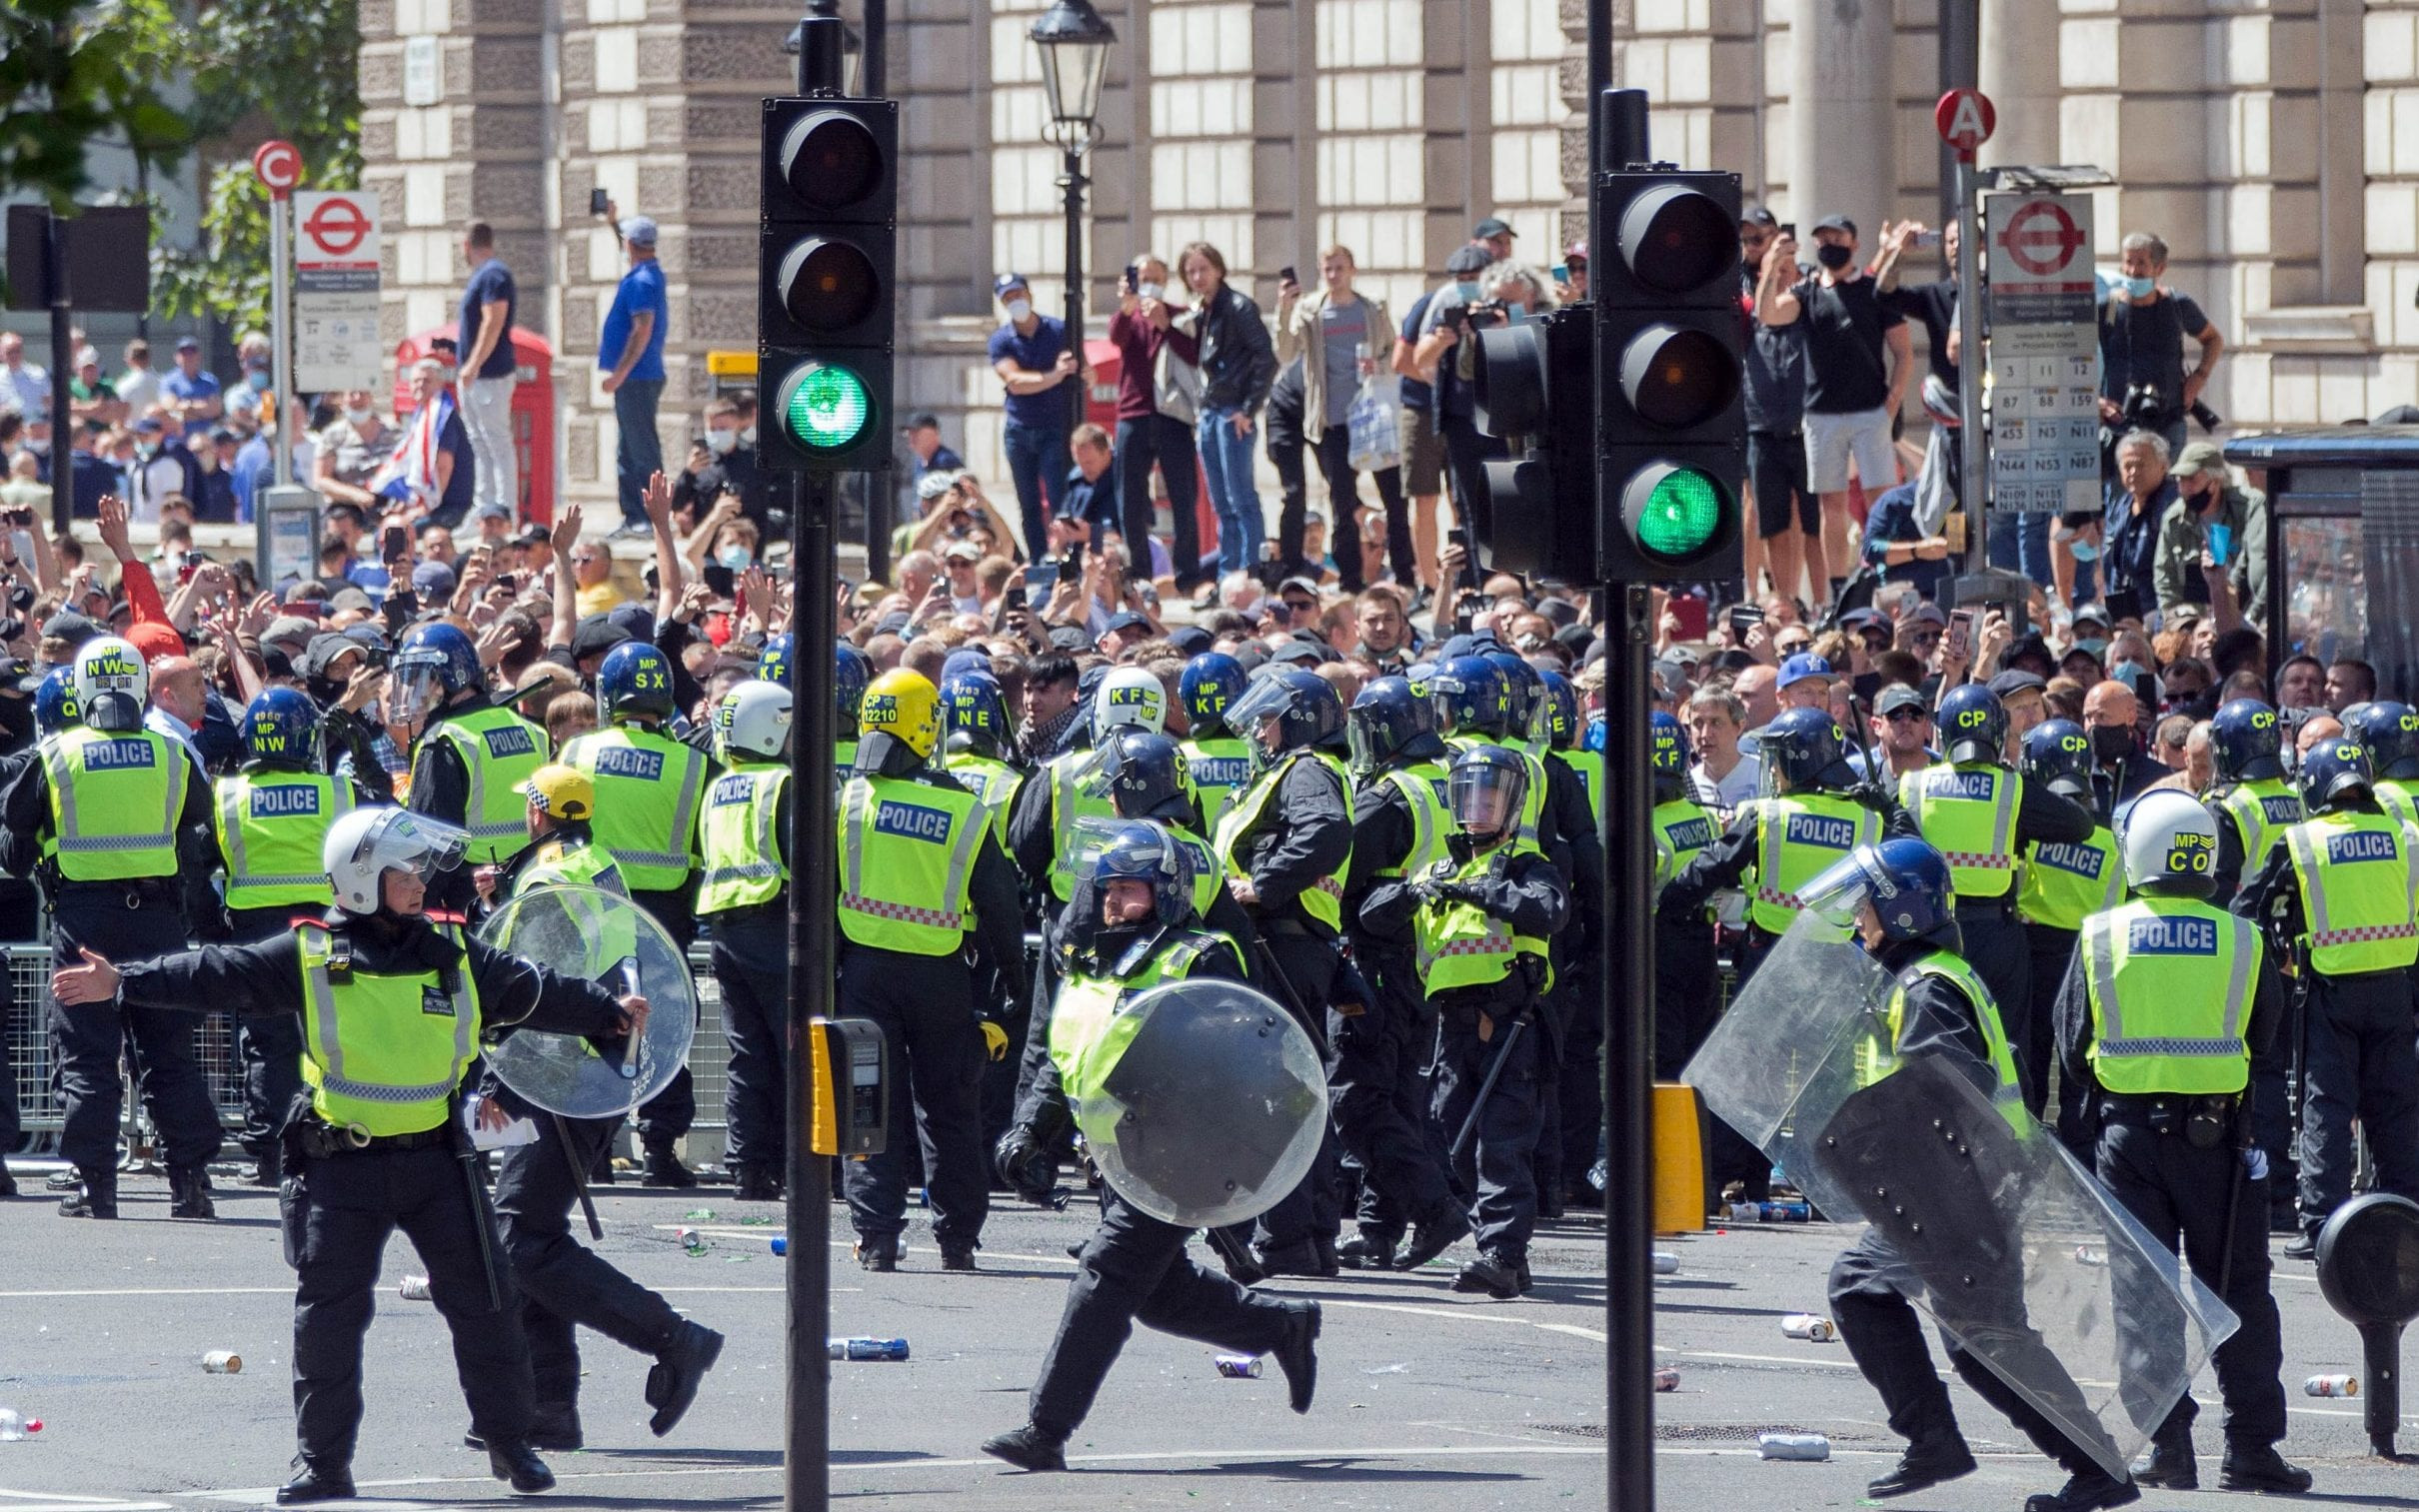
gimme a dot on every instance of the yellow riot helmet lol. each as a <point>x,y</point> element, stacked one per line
<point>905,707</point>
<point>563,792</point>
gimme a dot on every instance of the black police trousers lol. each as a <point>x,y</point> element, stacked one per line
<point>1303,980</point>
<point>671,1113</point>
<point>339,1214</point>
<point>1379,1115</point>
<point>1868,1294</point>
<point>562,1282</point>
<point>1496,1164</point>
<point>1135,1268</point>
<point>752,963</point>
<point>126,921</point>
<point>271,1044</point>
<point>1382,1211</point>
<point>2051,950</point>
<point>2360,1062</point>
<point>1999,953</point>
<point>925,1005</point>
<point>2178,1191</point>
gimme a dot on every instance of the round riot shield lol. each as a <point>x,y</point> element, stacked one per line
<point>1212,1110</point>
<point>610,941</point>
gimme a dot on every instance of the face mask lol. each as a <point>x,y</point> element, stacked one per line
<point>2096,645</point>
<point>2128,673</point>
<point>1149,291</point>
<point>1468,291</point>
<point>746,437</point>
<point>2084,551</point>
<point>1834,257</point>
<point>2111,742</point>
<point>1516,316</point>
<point>358,417</point>
<point>2140,288</point>
<point>259,381</point>
<point>147,449</point>
<point>734,558</point>
<point>1019,309</point>
<point>719,443</point>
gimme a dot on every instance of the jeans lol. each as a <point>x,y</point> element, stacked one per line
<point>2020,543</point>
<point>1226,459</point>
<point>640,455</point>
<point>487,416</point>
<point>1037,463</point>
<point>1142,439</point>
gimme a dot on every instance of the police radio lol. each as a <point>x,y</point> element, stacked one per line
<point>848,1086</point>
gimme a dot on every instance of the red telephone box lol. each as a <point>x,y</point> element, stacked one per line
<point>1100,408</point>
<point>532,410</point>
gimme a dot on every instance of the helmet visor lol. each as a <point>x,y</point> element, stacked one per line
<point>413,691</point>
<point>1264,700</point>
<point>1362,741</point>
<point>1485,796</point>
<point>1840,889</point>
<point>424,845</point>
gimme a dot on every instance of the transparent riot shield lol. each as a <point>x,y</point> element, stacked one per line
<point>2005,1240</point>
<point>605,937</point>
<point>1214,1108</point>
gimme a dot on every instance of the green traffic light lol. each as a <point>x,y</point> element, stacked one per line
<point>826,408</point>
<point>1680,515</point>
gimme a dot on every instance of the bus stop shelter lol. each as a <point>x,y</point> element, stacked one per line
<point>2343,544</point>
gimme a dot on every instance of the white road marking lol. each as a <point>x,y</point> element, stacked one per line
<point>61,1501</point>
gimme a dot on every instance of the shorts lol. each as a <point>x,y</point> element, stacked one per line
<point>1422,455</point>
<point>1776,468</point>
<point>1831,440</point>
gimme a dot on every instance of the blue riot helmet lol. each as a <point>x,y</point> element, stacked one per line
<point>281,729</point>
<point>2334,775</point>
<point>1905,881</point>
<point>2246,741</point>
<point>55,706</point>
<point>1485,787</point>
<point>1972,724</point>
<point>1146,854</point>
<point>633,681</point>
<point>1469,697</point>
<point>974,714</point>
<point>1559,710</point>
<point>773,663</point>
<point>852,670</point>
<point>1207,684</point>
<point>1667,754</point>
<point>2388,732</point>
<point>2057,755</point>
<point>434,663</point>
<point>1391,721</point>
<point>1806,748</point>
<point>1146,776</point>
<point>1523,694</point>
<point>1285,708</point>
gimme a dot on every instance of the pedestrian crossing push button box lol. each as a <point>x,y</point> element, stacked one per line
<point>849,1066</point>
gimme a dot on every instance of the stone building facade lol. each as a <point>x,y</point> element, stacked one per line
<point>2273,142</point>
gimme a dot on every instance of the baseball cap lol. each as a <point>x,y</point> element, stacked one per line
<point>594,636</point>
<point>1577,251</point>
<point>349,598</point>
<point>2093,613</point>
<point>433,580</point>
<point>1758,214</point>
<point>187,343</point>
<point>1801,667</point>
<point>2198,458</point>
<point>961,551</point>
<point>1856,621</point>
<point>1128,619</point>
<point>639,231</point>
<point>1190,639</point>
<point>1924,614</point>
<point>1298,652</point>
<point>1070,637</point>
<point>290,627</point>
<point>69,626</point>
<point>1492,226</point>
<point>1006,282</point>
<point>149,424</point>
<point>1836,223</point>
<point>1899,695</point>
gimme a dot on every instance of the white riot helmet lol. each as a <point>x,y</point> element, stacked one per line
<point>753,721</point>
<point>2169,837</point>
<point>1129,696</point>
<point>366,843</point>
<point>112,684</point>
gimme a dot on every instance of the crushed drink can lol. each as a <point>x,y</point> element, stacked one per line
<point>865,1349</point>
<point>1666,1379</point>
<point>1666,1264</point>
<point>1805,1326</point>
<point>2091,1254</point>
<point>691,1240</point>
<point>223,1362</point>
<point>1772,1212</point>
<point>413,1288</point>
<point>1238,1367</point>
<point>1801,1446</point>
<point>2331,1385</point>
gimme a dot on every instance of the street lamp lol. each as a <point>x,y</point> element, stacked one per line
<point>1074,42</point>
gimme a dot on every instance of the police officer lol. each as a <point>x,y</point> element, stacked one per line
<point>272,821</point>
<point>1687,996</point>
<point>920,879</point>
<point>2389,733</point>
<point>393,1001</point>
<point>1219,759</point>
<point>1286,846</point>
<point>1981,816</point>
<point>743,896</point>
<point>1901,897</point>
<point>2257,804</point>
<point>115,820</point>
<point>1132,927</point>
<point>978,741</point>
<point>649,787</point>
<point>2062,881</point>
<point>2159,1008</point>
<point>471,754</point>
<point>563,1285</point>
<point>2339,889</point>
<point>1067,790</point>
<point>1375,1080</point>
<point>1478,922</point>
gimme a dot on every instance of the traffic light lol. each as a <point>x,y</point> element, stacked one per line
<point>1535,391</point>
<point>1668,340</point>
<point>827,280</point>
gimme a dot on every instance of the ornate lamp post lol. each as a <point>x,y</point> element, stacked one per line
<point>1074,42</point>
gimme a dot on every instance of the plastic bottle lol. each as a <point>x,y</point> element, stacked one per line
<point>14,1427</point>
<point>865,1349</point>
<point>1803,1446</point>
<point>781,1244</point>
<point>413,1288</point>
<point>223,1362</point>
<point>1666,1264</point>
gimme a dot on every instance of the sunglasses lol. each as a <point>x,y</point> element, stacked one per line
<point>1897,715</point>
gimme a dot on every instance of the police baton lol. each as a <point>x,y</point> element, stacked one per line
<point>578,1176</point>
<point>1315,1026</point>
<point>1486,1089</point>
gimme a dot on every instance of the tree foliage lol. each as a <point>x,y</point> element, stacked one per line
<point>74,74</point>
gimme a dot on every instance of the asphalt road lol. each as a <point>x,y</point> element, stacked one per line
<point>1427,1400</point>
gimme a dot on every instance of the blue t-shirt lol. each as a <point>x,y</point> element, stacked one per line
<point>202,384</point>
<point>1038,353</point>
<point>492,280</point>
<point>642,289</point>
<point>249,473</point>
<point>1416,395</point>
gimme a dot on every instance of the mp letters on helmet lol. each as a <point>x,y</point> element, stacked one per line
<point>2190,854</point>
<point>113,671</point>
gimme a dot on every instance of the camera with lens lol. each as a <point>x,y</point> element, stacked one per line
<point>1481,314</point>
<point>2144,408</point>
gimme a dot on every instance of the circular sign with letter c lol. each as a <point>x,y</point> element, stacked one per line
<point>278,165</point>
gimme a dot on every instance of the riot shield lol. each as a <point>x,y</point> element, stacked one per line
<point>2009,1245</point>
<point>606,938</point>
<point>1213,1109</point>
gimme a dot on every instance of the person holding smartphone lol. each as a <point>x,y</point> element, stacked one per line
<point>2213,526</point>
<point>1044,380</point>
<point>1158,388</point>
<point>1336,332</point>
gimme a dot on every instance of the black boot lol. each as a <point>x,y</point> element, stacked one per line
<point>98,1197</point>
<point>1366,1251</point>
<point>1432,1236</point>
<point>1028,1448</point>
<point>2171,1463</point>
<point>2085,1491</point>
<point>1925,1463</point>
<point>8,1183</point>
<point>316,1483</point>
<point>958,1255</point>
<point>1329,1263</point>
<point>880,1254</point>
<point>2258,1467</point>
<point>1299,1259</point>
<point>513,1461</point>
<point>680,1366</point>
<point>1497,1277</point>
<point>1297,1356</point>
<point>555,1429</point>
<point>266,1172</point>
<point>188,1192</point>
<point>758,1183</point>
<point>664,1167</point>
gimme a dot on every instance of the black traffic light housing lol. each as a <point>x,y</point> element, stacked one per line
<point>1671,337</point>
<point>1537,392</point>
<point>827,282</point>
